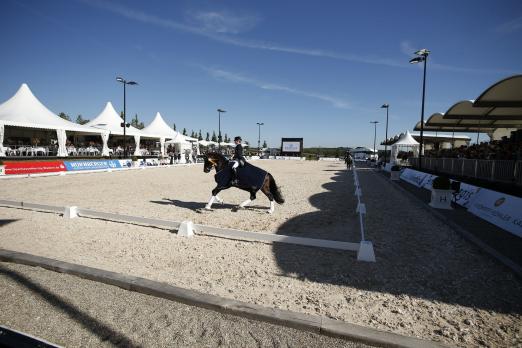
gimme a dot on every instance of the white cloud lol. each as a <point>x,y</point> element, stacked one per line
<point>223,22</point>
<point>212,31</point>
<point>511,26</point>
<point>238,78</point>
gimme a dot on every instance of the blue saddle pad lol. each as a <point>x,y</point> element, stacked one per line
<point>249,176</point>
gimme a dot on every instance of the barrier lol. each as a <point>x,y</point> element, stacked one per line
<point>365,252</point>
<point>491,170</point>
<point>187,228</point>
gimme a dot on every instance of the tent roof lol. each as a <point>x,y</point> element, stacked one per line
<point>438,119</point>
<point>207,143</point>
<point>504,93</point>
<point>466,110</point>
<point>159,126</point>
<point>460,128</point>
<point>406,140</point>
<point>429,136</point>
<point>109,120</point>
<point>25,110</point>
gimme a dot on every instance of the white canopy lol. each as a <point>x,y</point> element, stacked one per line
<point>207,142</point>
<point>109,120</point>
<point>407,140</point>
<point>159,126</point>
<point>25,110</point>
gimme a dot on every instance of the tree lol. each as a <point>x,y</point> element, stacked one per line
<point>184,131</point>
<point>80,120</point>
<point>64,116</point>
<point>193,134</point>
<point>207,138</point>
<point>200,137</point>
<point>136,123</point>
<point>264,144</point>
<point>214,138</point>
<point>226,140</point>
<point>174,126</point>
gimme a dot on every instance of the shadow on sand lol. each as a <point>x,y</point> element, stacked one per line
<point>435,269</point>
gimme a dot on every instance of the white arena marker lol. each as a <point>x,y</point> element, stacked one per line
<point>186,229</point>
<point>358,192</point>
<point>361,208</point>
<point>365,252</point>
<point>70,212</point>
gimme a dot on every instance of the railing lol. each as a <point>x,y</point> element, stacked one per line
<point>491,170</point>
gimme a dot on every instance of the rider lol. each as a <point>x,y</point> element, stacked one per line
<point>238,159</point>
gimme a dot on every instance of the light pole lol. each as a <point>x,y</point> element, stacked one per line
<point>374,136</point>
<point>422,56</point>
<point>219,127</point>
<point>259,136</point>
<point>386,106</point>
<point>124,124</point>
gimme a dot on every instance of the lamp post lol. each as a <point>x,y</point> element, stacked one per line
<point>374,135</point>
<point>387,107</point>
<point>259,136</point>
<point>124,124</point>
<point>422,56</point>
<point>219,126</point>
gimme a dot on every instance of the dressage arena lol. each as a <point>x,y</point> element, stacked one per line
<point>427,281</point>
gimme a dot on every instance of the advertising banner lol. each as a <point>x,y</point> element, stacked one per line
<point>428,180</point>
<point>413,177</point>
<point>13,168</point>
<point>291,146</point>
<point>466,194</point>
<point>504,211</point>
<point>91,164</point>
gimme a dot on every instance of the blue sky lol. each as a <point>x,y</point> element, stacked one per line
<point>313,69</point>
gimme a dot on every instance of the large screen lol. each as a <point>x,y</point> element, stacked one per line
<point>291,146</point>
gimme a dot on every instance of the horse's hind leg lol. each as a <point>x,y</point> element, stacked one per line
<point>248,201</point>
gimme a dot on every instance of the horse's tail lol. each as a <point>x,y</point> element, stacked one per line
<point>275,191</point>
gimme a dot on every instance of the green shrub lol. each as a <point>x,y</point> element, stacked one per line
<point>134,158</point>
<point>441,183</point>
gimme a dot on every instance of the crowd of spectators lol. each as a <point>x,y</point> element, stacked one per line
<point>505,149</point>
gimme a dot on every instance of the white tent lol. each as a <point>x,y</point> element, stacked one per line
<point>109,121</point>
<point>207,142</point>
<point>25,110</point>
<point>405,141</point>
<point>159,126</point>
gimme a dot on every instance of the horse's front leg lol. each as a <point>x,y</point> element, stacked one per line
<point>213,198</point>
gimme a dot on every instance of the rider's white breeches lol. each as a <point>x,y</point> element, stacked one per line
<point>236,164</point>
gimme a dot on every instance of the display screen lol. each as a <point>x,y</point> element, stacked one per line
<point>291,146</point>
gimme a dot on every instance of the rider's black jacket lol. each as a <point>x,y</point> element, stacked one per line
<point>238,155</point>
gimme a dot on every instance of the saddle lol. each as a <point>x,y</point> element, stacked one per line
<point>248,176</point>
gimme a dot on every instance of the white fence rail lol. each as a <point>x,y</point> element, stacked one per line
<point>365,252</point>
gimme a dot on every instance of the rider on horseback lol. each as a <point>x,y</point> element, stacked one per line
<point>238,159</point>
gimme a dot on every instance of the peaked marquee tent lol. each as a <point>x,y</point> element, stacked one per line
<point>25,110</point>
<point>159,126</point>
<point>110,122</point>
<point>404,141</point>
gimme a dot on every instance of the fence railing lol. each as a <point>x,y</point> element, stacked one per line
<point>491,170</point>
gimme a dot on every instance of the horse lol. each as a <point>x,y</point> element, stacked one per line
<point>349,162</point>
<point>223,171</point>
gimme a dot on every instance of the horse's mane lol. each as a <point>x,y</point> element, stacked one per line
<point>217,156</point>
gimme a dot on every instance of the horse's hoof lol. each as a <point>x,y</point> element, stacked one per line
<point>269,212</point>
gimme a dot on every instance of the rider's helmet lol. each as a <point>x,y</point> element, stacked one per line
<point>238,138</point>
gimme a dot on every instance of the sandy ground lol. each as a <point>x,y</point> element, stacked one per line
<point>427,282</point>
<point>75,312</point>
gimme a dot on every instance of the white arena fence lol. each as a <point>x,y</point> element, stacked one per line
<point>330,159</point>
<point>365,252</point>
<point>186,228</point>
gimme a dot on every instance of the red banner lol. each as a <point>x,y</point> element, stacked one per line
<point>34,167</point>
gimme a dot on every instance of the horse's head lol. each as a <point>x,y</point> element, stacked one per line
<point>213,160</point>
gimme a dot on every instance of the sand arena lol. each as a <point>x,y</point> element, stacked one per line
<point>427,281</point>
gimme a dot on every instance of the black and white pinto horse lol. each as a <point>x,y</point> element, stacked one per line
<point>250,178</point>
